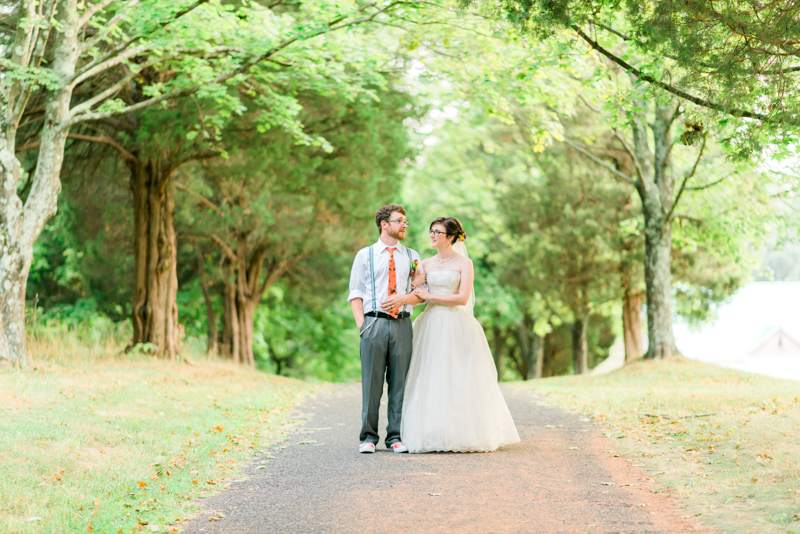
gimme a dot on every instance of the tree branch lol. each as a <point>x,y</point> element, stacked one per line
<point>203,200</point>
<point>600,162</point>
<point>685,179</point>
<point>116,60</point>
<point>93,10</point>
<point>701,187</point>
<point>244,67</point>
<point>743,113</point>
<point>126,44</point>
<point>198,156</point>
<point>225,248</point>
<point>630,152</point>
<point>127,156</point>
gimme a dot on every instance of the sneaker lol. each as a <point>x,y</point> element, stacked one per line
<point>366,447</point>
<point>398,446</point>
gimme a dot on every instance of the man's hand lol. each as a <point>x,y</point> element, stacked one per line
<point>357,305</point>
<point>393,303</point>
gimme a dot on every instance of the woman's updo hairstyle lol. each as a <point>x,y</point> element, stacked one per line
<point>452,228</point>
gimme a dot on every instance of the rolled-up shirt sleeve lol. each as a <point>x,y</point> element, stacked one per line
<point>358,281</point>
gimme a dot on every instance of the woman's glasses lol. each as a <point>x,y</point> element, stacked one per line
<point>437,233</point>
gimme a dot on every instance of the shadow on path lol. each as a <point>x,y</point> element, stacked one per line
<point>319,483</point>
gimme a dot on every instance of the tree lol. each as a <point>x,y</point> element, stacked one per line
<point>273,204</point>
<point>60,47</point>
<point>734,59</point>
<point>563,222</point>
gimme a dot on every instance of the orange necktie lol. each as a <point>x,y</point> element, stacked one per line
<point>392,280</point>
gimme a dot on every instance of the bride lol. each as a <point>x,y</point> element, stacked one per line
<point>452,401</point>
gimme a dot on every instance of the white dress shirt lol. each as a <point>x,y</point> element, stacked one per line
<point>361,283</point>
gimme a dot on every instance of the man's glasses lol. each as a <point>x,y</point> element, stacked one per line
<point>402,222</point>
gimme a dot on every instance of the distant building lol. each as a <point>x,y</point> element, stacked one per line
<point>775,341</point>
<point>756,331</point>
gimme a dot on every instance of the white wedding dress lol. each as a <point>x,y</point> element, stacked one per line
<point>452,401</point>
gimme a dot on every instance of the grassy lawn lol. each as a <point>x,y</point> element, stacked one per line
<point>108,445</point>
<point>725,444</point>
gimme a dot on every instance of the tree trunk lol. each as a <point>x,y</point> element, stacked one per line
<point>246,318</point>
<point>658,279</point>
<point>632,325</point>
<point>238,327</point>
<point>580,348</point>
<point>538,352</point>
<point>230,323</point>
<point>523,342</point>
<point>531,347</point>
<point>21,225</point>
<point>211,346</point>
<point>155,291</point>
<point>15,261</point>
<point>656,190</point>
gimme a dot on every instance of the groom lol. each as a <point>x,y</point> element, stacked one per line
<point>381,299</point>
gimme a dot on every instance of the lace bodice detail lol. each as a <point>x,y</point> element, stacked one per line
<point>443,282</point>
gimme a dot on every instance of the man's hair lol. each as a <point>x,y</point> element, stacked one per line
<point>385,212</point>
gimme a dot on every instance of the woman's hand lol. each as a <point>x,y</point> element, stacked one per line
<point>422,293</point>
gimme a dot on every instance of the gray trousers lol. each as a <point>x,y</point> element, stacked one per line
<point>385,350</point>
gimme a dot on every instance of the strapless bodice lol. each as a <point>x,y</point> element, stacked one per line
<point>443,282</point>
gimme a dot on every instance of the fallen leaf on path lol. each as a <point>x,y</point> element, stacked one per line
<point>572,448</point>
<point>142,484</point>
<point>90,527</point>
<point>212,518</point>
<point>435,494</point>
<point>262,466</point>
<point>212,482</point>
<point>607,483</point>
<point>429,474</point>
<point>549,426</point>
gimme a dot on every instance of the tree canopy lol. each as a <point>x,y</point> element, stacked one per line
<point>200,173</point>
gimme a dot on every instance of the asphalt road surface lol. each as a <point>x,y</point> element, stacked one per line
<point>557,479</point>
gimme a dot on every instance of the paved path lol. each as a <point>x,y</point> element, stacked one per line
<point>536,486</point>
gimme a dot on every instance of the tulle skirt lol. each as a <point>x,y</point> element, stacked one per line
<point>452,401</point>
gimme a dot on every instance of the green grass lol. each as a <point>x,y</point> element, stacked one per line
<point>96,443</point>
<point>725,444</point>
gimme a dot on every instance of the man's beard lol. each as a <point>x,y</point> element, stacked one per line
<point>395,235</point>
